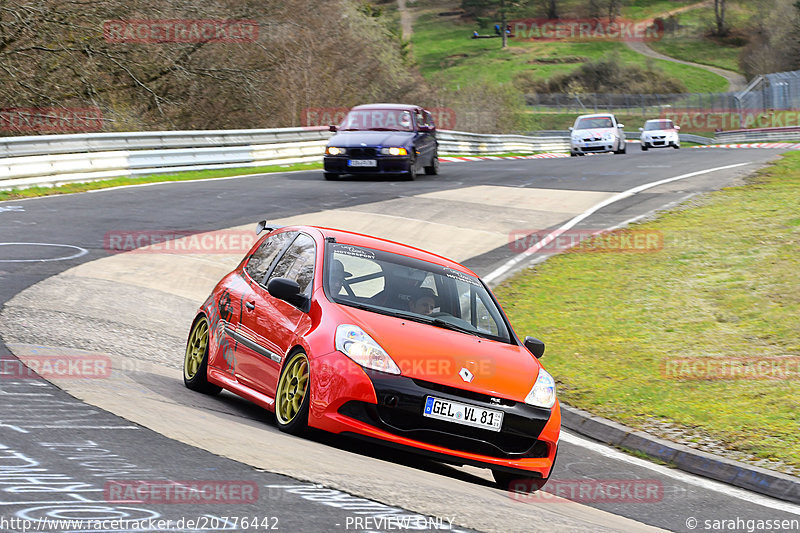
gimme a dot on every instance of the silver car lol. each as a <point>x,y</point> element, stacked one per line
<point>659,133</point>
<point>596,133</point>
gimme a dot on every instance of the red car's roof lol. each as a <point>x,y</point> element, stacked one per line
<point>357,239</point>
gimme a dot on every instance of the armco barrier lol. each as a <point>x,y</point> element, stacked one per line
<point>758,135</point>
<point>55,159</point>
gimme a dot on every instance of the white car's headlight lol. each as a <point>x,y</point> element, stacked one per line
<point>361,348</point>
<point>543,393</point>
<point>335,150</point>
<point>394,150</point>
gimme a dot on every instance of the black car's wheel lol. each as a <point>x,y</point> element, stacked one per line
<point>331,176</point>
<point>291,398</point>
<point>195,363</point>
<point>434,168</point>
<point>412,170</point>
<point>517,483</point>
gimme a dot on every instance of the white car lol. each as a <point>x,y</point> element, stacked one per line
<point>660,133</point>
<point>596,133</point>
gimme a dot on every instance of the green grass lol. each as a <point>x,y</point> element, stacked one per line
<point>31,192</point>
<point>645,9</point>
<point>693,42</point>
<point>724,285</point>
<point>444,52</point>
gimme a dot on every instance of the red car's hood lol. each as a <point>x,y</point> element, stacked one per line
<point>438,355</point>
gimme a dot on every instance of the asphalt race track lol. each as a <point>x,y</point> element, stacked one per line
<point>66,294</point>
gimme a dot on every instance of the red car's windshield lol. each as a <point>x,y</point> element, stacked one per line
<point>377,120</point>
<point>396,285</point>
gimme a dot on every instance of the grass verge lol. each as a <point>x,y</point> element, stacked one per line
<point>67,188</point>
<point>724,286</point>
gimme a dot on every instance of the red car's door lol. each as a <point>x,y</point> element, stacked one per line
<point>249,344</point>
<point>271,324</point>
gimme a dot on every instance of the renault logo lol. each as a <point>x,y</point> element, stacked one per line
<point>466,375</point>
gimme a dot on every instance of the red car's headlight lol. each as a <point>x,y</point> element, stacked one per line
<point>361,348</point>
<point>543,393</point>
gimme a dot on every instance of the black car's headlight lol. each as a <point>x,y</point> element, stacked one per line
<point>394,150</point>
<point>335,150</point>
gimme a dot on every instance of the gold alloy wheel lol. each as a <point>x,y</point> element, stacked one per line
<point>292,388</point>
<point>196,349</point>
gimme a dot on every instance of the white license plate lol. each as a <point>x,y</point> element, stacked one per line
<point>460,413</point>
<point>362,162</point>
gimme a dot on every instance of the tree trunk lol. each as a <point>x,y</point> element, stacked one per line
<point>552,9</point>
<point>719,14</point>
<point>503,23</point>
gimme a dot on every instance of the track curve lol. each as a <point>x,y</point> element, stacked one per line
<point>136,308</point>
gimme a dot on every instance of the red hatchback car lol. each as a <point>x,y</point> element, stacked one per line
<point>377,340</point>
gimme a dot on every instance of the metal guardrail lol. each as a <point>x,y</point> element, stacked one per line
<point>48,160</point>
<point>759,135</point>
<point>457,142</point>
<point>632,135</point>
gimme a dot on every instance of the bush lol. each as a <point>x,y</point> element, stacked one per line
<point>606,75</point>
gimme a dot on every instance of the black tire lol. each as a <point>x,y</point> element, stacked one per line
<point>676,146</point>
<point>573,154</point>
<point>331,176</point>
<point>517,483</point>
<point>644,147</point>
<point>195,362</point>
<point>411,175</point>
<point>434,168</point>
<point>294,420</point>
<point>622,147</point>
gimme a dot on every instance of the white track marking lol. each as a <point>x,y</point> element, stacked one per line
<point>81,252</point>
<point>511,263</point>
<point>684,477</point>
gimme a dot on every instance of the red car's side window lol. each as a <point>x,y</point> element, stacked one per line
<point>298,263</point>
<point>263,257</point>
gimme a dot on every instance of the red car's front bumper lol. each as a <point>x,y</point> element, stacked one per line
<point>348,399</point>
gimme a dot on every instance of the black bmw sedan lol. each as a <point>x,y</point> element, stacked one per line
<point>386,139</point>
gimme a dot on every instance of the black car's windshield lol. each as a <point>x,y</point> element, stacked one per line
<point>595,122</point>
<point>377,120</point>
<point>396,285</point>
<point>651,125</point>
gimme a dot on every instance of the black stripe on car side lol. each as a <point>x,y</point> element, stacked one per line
<point>246,341</point>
